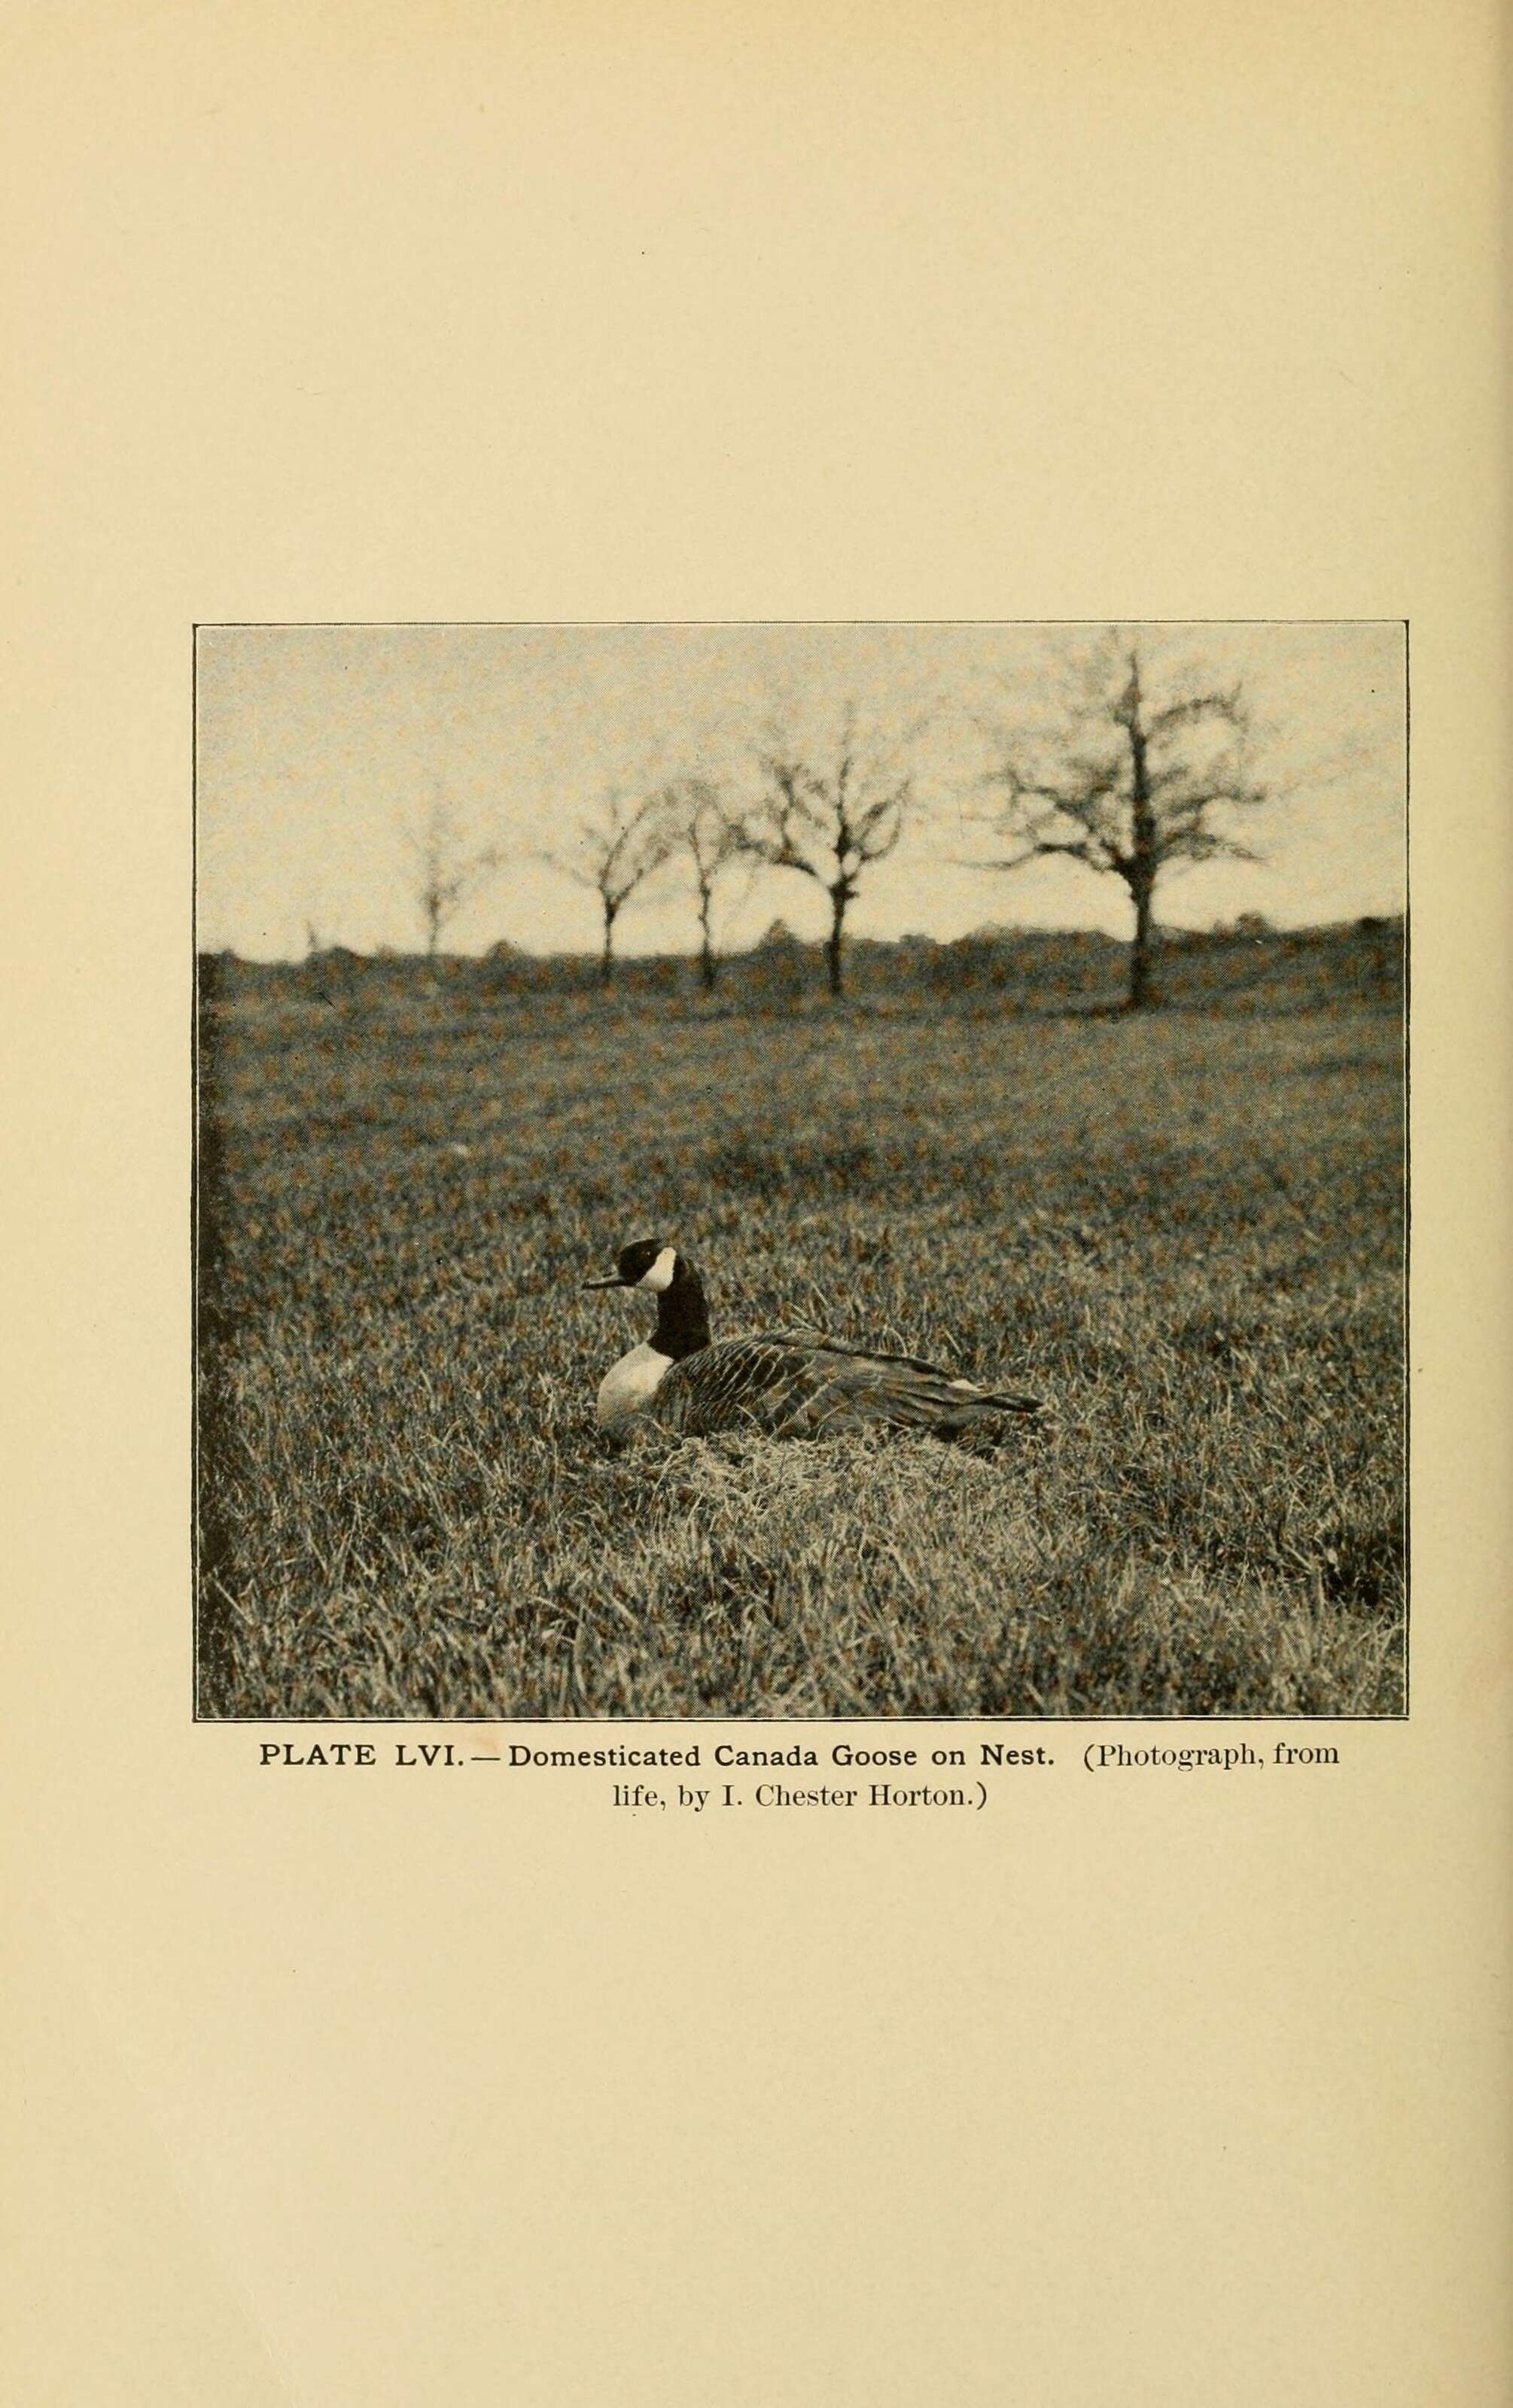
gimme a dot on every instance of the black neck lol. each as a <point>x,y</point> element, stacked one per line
<point>681,1314</point>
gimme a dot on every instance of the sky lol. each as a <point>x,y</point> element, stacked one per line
<point>317,749</point>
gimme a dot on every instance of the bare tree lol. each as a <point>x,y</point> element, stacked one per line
<point>446,873</point>
<point>831,822</point>
<point>712,837</point>
<point>618,848</point>
<point>1130,788</point>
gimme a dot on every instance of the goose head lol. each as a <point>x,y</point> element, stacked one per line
<point>659,1270</point>
<point>646,1264</point>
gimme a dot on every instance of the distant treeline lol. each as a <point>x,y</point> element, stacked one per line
<point>1039,969</point>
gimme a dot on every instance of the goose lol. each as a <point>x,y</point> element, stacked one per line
<point>785,1384</point>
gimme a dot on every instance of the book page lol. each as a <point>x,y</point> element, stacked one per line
<point>957,1853</point>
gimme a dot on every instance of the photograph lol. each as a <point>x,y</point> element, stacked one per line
<point>786,1171</point>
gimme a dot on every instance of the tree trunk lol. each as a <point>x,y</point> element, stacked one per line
<point>606,962</point>
<point>1141,991</point>
<point>834,967</point>
<point>1147,854</point>
<point>709,968</point>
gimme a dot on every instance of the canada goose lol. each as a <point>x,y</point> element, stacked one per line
<point>786,1384</point>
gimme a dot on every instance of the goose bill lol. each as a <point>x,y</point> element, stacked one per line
<point>613,1280</point>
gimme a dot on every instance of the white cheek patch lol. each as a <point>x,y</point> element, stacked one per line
<point>660,1274</point>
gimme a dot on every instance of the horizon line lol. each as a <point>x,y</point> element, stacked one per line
<point>990,932</point>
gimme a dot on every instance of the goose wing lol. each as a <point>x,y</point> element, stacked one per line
<point>800,1384</point>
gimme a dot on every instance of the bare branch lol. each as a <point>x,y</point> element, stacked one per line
<point>828,825</point>
<point>618,848</point>
<point>1040,851</point>
<point>1226,705</point>
<point>1126,787</point>
<point>446,873</point>
<point>710,835</point>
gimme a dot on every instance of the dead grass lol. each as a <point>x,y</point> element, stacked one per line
<point>1185,1230</point>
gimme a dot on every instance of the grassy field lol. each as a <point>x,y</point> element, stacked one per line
<point>1185,1229</point>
